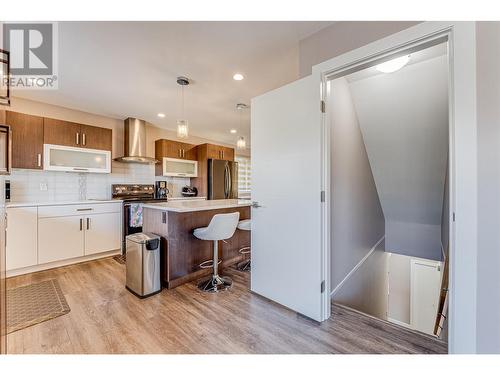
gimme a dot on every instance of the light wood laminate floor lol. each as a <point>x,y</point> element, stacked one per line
<point>106,318</point>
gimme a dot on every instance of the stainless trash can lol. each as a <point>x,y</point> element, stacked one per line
<point>143,264</point>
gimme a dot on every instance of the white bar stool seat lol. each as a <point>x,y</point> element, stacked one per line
<point>221,227</point>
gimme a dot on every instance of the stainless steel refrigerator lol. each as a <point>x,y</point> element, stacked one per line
<point>222,179</point>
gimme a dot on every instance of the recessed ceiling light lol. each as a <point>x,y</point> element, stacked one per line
<point>162,115</point>
<point>393,65</point>
<point>238,77</point>
<point>233,131</point>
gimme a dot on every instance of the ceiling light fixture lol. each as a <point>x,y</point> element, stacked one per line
<point>161,115</point>
<point>238,77</point>
<point>182,124</point>
<point>241,143</point>
<point>233,131</point>
<point>393,65</point>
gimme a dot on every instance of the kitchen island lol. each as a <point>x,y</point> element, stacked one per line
<point>181,252</point>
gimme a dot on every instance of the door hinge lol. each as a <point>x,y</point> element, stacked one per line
<point>323,286</point>
<point>322,106</point>
<point>322,196</point>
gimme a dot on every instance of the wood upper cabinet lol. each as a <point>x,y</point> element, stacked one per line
<point>66,133</point>
<point>219,152</point>
<point>60,132</point>
<point>96,137</point>
<point>27,140</point>
<point>174,149</point>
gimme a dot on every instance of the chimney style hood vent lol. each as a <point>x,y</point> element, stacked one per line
<point>135,143</point>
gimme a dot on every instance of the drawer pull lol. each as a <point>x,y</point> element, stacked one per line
<point>84,209</point>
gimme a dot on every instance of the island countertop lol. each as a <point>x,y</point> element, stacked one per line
<point>198,205</point>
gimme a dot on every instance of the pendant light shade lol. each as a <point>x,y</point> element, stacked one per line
<point>241,144</point>
<point>182,124</point>
<point>182,129</point>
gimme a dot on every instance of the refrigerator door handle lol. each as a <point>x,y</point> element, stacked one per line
<point>229,183</point>
<point>225,181</point>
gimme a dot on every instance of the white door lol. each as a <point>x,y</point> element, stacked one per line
<point>424,294</point>
<point>60,238</point>
<point>102,233</point>
<point>286,183</point>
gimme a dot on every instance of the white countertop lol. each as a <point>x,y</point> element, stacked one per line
<point>198,205</point>
<point>186,198</point>
<point>60,203</point>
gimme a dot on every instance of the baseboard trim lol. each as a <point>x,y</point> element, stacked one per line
<point>399,323</point>
<point>360,263</point>
<point>61,263</point>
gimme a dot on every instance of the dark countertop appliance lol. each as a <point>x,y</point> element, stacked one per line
<point>189,191</point>
<point>161,190</point>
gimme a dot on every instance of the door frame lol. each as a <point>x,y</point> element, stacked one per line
<point>462,158</point>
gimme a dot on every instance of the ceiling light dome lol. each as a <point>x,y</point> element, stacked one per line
<point>393,65</point>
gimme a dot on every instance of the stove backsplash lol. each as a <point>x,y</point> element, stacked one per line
<point>41,186</point>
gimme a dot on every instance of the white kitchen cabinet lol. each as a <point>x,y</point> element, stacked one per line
<point>180,167</point>
<point>21,237</point>
<point>45,236</point>
<point>102,232</point>
<point>60,238</point>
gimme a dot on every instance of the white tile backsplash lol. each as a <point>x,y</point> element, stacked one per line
<point>65,186</point>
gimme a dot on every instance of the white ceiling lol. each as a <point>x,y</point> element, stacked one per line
<point>129,69</point>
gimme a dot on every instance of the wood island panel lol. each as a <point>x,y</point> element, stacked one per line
<point>182,253</point>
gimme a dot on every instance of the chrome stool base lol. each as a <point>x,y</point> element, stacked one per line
<point>244,266</point>
<point>215,284</point>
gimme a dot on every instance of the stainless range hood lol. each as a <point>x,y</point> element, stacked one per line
<point>135,143</point>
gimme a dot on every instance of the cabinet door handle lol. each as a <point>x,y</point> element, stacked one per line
<point>83,139</point>
<point>88,223</point>
<point>81,224</point>
<point>222,154</point>
<point>77,138</point>
<point>179,152</point>
<point>183,153</point>
<point>39,156</point>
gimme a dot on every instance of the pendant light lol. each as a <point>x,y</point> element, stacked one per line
<point>182,124</point>
<point>241,144</point>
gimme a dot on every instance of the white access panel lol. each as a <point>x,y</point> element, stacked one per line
<point>424,294</point>
<point>286,183</point>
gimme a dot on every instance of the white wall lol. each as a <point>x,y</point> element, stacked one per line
<point>342,37</point>
<point>403,117</point>
<point>488,121</point>
<point>357,218</point>
<point>366,289</point>
<point>399,288</point>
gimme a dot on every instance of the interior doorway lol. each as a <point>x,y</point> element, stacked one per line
<point>389,132</point>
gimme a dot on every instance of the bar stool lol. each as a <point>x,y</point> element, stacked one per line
<point>221,227</point>
<point>245,265</point>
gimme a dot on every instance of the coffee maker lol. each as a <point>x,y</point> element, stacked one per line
<point>161,191</point>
